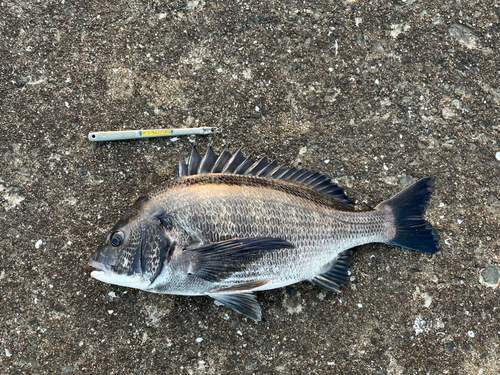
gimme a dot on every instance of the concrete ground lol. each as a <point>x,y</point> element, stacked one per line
<point>374,94</point>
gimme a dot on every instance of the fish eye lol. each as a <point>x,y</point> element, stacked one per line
<point>166,221</point>
<point>116,238</point>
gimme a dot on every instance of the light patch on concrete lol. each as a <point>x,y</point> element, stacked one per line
<point>292,304</point>
<point>120,83</point>
<point>154,315</point>
<point>195,57</point>
<point>164,92</point>
<point>12,200</point>
<point>195,5</point>
<point>425,297</point>
<point>247,74</point>
<point>464,35</point>
<point>423,326</point>
<point>489,277</point>
<point>394,368</point>
<point>420,325</point>
<point>398,29</point>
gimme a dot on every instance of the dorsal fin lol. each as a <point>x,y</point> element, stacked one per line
<point>194,162</point>
<point>238,164</point>
<point>247,163</point>
<point>208,161</point>
<point>221,161</point>
<point>257,167</point>
<point>183,168</point>
<point>234,162</point>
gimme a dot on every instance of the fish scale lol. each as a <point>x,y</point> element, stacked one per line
<point>229,226</point>
<point>254,213</point>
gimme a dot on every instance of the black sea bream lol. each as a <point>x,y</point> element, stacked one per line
<point>229,226</point>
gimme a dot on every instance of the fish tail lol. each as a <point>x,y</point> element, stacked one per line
<point>408,209</point>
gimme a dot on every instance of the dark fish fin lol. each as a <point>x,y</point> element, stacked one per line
<point>337,274</point>
<point>237,164</point>
<point>240,288</point>
<point>257,167</point>
<point>234,162</point>
<point>278,172</point>
<point>243,303</point>
<point>408,208</point>
<point>271,167</point>
<point>194,245</point>
<point>194,162</point>
<point>208,161</point>
<point>218,260</point>
<point>243,167</point>
<point>221,161</point>
<point>183,168</point>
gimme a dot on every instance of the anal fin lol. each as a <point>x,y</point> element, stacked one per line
<point>243,303</point>
<point>337,274</point>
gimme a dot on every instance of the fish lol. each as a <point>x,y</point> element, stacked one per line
<point>230,226</point>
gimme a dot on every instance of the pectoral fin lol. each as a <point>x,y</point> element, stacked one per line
<point>217,261</point>
<point>240,288</point>
<point>243,303</point>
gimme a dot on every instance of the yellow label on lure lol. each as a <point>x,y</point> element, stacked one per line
<point>155,133</point>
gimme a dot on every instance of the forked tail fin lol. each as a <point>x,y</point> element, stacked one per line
<point>408,208</point>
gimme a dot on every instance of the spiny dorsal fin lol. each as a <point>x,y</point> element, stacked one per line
<point>183,168</point>
<point>194,162</point>
<point>208,161</point>
<point>234,162</point>
<point>221,161</point>
<point>238,164</point>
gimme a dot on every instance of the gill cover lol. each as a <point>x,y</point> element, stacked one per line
<point>156,246</point>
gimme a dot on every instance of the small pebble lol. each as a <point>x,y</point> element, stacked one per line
<point>199,339</point>
<point>491,275</point>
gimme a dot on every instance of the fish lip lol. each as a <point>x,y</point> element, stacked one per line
<point>100,266</point>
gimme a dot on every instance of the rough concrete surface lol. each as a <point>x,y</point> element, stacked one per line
<point>374,94</point>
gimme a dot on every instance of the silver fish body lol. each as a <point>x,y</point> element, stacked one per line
<point>228,227</point>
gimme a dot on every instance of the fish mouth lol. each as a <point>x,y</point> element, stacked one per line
<point>107,274</point>
<point>102,268</point>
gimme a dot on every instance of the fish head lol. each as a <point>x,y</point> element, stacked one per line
<point>133,252</point>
